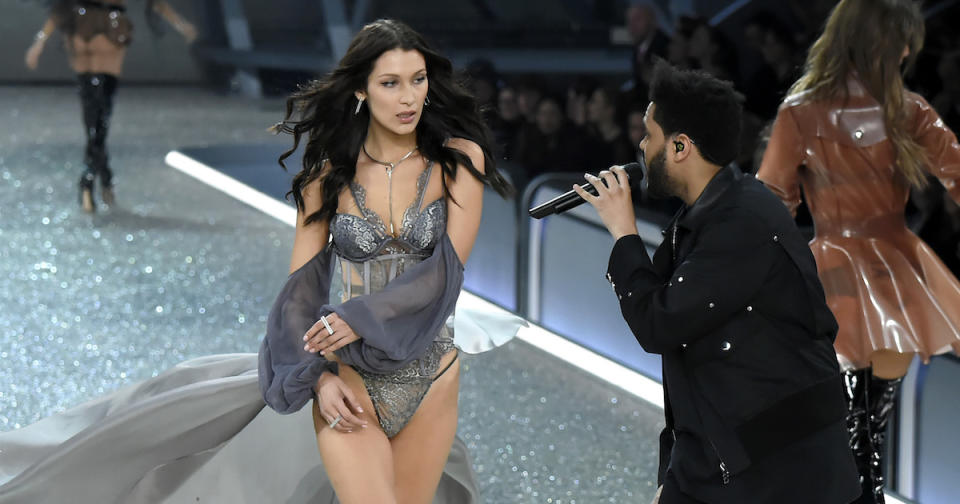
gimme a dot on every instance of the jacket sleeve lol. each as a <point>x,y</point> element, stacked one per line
<point>940,144</point>
<point>287,372</point>
<point>721,274</point>
<point>782,160</point>
<point>397,323</point>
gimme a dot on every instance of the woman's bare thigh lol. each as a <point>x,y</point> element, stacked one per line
<point>97,55</point>
<point>421,449</point>
<point>359,464</point>
<point>890,365</point>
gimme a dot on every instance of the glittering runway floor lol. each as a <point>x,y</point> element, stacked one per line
<point>180,270</point>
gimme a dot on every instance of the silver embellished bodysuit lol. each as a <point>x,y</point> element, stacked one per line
<point>367,259</point>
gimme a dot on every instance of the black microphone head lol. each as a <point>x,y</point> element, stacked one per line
<point>634,171</point>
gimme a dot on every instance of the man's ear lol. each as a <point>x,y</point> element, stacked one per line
<point>682,146</point>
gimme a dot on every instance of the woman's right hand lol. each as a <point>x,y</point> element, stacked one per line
<point>188,31</point>
<point>338,401</point>
<point>33,55</point>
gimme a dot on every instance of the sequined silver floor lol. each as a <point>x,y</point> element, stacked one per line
<point>179,270</point>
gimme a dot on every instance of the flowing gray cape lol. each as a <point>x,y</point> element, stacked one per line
<point>198,432</point>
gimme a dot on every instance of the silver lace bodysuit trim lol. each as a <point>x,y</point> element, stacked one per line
<point>368,258</point>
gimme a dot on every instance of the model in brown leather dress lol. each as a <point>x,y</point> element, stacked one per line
<point>96,35</point>
<point>855,140</point>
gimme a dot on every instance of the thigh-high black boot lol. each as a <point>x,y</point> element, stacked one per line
<point>106,87</point>
<point>882,398</point>
<point>856,386</point>
<point>90,106</point>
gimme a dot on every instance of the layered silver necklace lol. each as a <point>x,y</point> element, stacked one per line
<point>390,167</point>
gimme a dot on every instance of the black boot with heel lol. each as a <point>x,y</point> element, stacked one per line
<point>91,111</point>
<point>870,402</point>
<point>96,95</point>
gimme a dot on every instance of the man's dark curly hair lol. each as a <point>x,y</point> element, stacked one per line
<point>706,109</point>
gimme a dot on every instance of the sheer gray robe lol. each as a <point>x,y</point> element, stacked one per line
<point>396,323</point>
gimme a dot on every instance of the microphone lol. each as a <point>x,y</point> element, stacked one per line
<point>571,199</point>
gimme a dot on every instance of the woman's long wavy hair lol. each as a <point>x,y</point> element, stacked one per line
<point>867,37</point>
<point>335,133</point>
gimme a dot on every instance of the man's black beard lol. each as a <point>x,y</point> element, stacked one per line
<point>659,185</point>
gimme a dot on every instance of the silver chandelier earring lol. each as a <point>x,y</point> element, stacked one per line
<point>359,103</point>
<point>426,101</point>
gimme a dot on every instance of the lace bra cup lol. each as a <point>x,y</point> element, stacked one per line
<point>360,238</point>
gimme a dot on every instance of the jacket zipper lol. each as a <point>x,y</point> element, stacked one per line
<point>724,473</point>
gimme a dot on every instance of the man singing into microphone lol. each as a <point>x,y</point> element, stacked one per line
<point>731,301</point>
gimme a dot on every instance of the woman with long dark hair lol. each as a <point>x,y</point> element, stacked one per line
<point>394,166</point>
<point>395,161</point>
<point>96,35</point>
<point>855,140</point>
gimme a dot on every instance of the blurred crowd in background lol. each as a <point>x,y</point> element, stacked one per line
<point>561,121</point>
<point>587,122</point>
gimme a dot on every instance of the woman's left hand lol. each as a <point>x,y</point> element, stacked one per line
<point>319,339</point>
<point>32,57</point>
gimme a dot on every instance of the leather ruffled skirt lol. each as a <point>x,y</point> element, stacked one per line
<point>888,291</point>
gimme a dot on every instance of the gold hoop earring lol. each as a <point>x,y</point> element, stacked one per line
<point>359,103</point>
